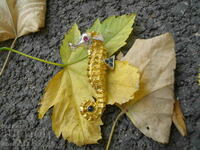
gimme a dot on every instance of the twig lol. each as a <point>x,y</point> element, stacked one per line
<point>113,128</point>
<point>8,55</point>
<point>35,58</point>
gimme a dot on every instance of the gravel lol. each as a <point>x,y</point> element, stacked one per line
<point>23,81</point>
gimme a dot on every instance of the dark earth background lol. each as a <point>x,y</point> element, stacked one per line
<point>21,85</point>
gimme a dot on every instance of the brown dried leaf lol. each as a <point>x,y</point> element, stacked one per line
<point>20,17</point>
<point>178,119</point>
<point>155,58</point>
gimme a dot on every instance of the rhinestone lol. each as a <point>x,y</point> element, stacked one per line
<point>90,108</point>
<point>85,38</point>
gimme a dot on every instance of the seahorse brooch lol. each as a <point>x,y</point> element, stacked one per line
<point>98,62</point>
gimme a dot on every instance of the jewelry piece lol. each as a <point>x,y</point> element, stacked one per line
<point>97,66</point>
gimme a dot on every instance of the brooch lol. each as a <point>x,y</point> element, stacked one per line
<point>98,62</point>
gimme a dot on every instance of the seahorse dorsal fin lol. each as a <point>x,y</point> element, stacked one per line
<point>110,62</point>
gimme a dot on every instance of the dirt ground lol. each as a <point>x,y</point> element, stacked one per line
<point>21,85</point>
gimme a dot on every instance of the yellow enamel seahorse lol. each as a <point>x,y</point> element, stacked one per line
<point>97,66</point>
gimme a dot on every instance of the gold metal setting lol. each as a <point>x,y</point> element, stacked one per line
<point>97,78</point>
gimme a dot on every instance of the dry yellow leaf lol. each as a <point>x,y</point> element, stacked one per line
<point>65,92</point>
<point>70,87</point>
<point>20,17</point>
<point>155,58</point>
<point>178,119</point>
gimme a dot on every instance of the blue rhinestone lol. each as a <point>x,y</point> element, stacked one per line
<point>90,109</point>
<point>107,61</point>
<point>111,64</point>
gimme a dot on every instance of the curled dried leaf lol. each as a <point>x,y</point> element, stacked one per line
<point>178,119</point>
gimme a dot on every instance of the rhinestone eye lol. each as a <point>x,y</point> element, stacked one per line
<point>86,38</point>
<point>90,108</point>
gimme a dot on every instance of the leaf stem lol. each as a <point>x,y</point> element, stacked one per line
<point>76,61</point>
<point>113,128</point>
<point>7,57</point>
<point>35,58</point>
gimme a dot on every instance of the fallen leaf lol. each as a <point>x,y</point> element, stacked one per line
<point>20,17</point>
<point>72,56</point>
<point>155,58</point>
<point>70,87</point>
<point>123,82</point>
<point>115,31</point>
<point>178,119</point>
<point>64,94</point>
<point>111,25</point>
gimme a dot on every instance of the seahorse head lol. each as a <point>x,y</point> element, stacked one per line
<point>87,38</point>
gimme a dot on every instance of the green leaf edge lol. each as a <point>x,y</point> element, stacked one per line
<point>64,49</point>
